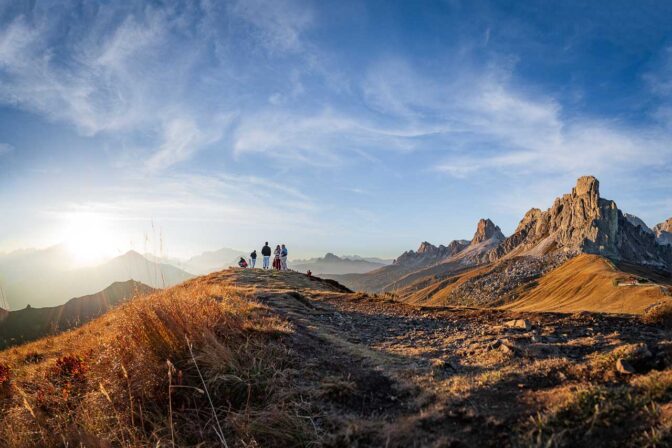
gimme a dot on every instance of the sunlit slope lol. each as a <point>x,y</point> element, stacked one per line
<point>589,283</point>
<point>271,280</point>
<point>430,292</point>
<point>107,382</point>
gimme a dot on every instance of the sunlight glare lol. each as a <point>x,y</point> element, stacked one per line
<point>87,238</point>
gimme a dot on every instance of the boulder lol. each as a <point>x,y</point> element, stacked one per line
<point>624,367</point>
<point>519,324</point>
<point>506,348</point>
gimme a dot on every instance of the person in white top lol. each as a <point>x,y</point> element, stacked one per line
<point>283,258</point>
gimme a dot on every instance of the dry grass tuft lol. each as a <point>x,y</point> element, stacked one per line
<point>199,363</point>
<point>623,415</point>
<point>660,314</point>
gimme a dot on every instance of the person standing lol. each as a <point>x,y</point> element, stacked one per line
<point>266,253</point>
<point>276,258</point>
<point>253,258</point>
<point>283,258</point>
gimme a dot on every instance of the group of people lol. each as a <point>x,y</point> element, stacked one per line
<point>279,258</point>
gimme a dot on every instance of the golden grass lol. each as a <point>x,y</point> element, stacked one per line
<point>129,378</point>
<point>636,414</point>
<point>588,283</point>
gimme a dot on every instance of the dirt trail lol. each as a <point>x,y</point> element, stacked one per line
<point>389,374</point>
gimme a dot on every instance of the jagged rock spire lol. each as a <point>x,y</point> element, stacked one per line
<point>485,230</point>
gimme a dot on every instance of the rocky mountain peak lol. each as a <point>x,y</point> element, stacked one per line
<point>428,253</point>
<point>485,230</point>
<point>663,232</point>
<point>426,247</point>
<point>587,186</point>
<point>532,214</point>
<point>331,257</point>
<point>637,222</point>
<point>582,222</point>
<point>665,226</point>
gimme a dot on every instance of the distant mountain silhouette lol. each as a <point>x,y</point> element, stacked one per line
<point>333,264</point>
<point>32,323</point>
<point>383,261</point>
<point>205,263</point>
<point>38,281</point>
<point>213,261</point>
<point>428,261</point>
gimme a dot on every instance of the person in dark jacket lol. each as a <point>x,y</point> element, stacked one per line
<point>266,253</point>
<point>253,258</point>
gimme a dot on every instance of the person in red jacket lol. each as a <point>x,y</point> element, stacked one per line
<point>276,258</point>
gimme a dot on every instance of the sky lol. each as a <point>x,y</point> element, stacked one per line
<point>353,127</point>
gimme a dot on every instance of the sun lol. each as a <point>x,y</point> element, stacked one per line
<point>87,238</point>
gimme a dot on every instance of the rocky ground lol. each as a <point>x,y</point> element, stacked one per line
<point>382,373</point>
<point>504,282</point>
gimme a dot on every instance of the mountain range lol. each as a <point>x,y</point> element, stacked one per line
<point>333,264</point>
<point>30,323</point>
<point>493,270</point>
<point>47,277</point>
<point>39,278</point>
<point>204,263</point>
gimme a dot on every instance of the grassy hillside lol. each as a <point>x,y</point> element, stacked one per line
<point>200,362</point>
<point>252,358</point>
<point>590,283</point>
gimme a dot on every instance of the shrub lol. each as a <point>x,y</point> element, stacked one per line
<point>5,381</point>
<point>33,358</point>
<point>5,375</point>
<point>66,379</point>
<point>71,368</point>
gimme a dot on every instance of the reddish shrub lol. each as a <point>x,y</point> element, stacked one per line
<point>69,375</point>
<point>70,368</point>
<point>5,381</point>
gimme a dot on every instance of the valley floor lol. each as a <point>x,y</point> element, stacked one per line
<point>363,370</point>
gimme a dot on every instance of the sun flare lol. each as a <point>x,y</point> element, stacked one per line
<point>87,238</point>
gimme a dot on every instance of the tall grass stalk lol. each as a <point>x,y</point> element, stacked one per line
<point>218,431</point>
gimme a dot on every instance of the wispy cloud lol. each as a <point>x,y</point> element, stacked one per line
<point>485,122</point>
<point>277,24</point>
<point>125,70</point>
<point>182,137</point>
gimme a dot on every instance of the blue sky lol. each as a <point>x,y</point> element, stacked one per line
<point>350,127</point>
